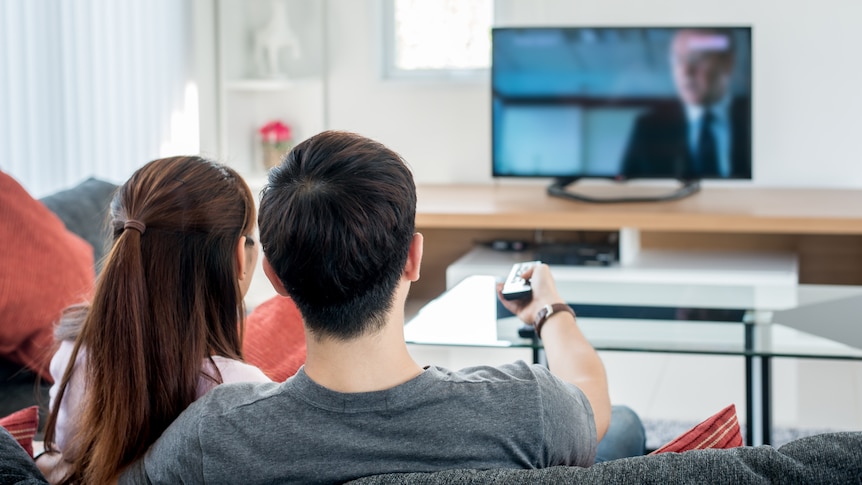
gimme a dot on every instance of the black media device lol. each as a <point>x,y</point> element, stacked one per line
<point>622,103</point>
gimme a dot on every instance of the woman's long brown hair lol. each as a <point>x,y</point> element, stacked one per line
<point>166,300</point>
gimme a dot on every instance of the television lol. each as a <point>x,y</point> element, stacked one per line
<point>621,103</point>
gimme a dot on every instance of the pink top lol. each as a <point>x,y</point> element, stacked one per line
<point>231,371</point>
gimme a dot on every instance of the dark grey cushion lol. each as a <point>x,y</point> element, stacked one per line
<point>84,210</point>
<point>826,458</point>
<point>20,388</point>
<point>16,466</point>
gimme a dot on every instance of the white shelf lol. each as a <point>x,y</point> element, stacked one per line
<point>249,99</point>
<point>752,279</point>
<point>650,265</point>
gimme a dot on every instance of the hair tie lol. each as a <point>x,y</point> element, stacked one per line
<point>131,223</point>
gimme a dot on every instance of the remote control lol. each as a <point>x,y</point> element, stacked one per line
<point>515,287</point>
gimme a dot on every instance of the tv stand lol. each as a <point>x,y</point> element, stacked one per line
<point>559,189</point>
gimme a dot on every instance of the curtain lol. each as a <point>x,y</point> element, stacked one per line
<point>92,88</point>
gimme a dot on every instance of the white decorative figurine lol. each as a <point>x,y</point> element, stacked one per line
<point>270,39</point>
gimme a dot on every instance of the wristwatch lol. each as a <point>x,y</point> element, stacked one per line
<point>546,311</point>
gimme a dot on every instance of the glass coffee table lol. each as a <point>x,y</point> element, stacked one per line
<point>755,322</point>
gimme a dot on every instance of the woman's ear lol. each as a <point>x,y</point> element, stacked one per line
<point>246,255</point>
<point>241,260</point>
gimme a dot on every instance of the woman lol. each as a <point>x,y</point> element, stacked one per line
<point>165,324</point>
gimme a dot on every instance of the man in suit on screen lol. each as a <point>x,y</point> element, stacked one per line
<point>707,134</point>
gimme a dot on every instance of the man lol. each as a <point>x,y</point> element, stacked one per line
<point>708,133</point>
<point>337,230</point>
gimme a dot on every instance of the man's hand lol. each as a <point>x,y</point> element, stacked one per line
<point>544,293</point>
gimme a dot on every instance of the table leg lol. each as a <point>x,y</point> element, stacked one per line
<point>749,398</point>
<point>758,394</point>
<point>750,417</point>
<point>766,398</point>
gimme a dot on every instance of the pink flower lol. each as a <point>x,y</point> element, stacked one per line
<point>275,132</point>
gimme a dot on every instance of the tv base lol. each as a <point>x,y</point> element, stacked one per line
<point>560,189</point>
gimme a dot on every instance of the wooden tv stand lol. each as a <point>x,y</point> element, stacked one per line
<point>822,226</point>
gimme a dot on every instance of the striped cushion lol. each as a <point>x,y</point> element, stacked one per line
<point>719,431</point>
<point>22,426</point>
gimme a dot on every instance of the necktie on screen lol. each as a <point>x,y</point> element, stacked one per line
<point>707,148</point>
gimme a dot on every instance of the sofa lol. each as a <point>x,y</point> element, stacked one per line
<point>831,458</point>
<point>84,210</point>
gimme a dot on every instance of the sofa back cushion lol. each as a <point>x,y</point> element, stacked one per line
<point>824,458</point>
<point>84,211</point>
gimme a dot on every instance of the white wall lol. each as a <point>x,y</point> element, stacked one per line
<point>807,108</point>
<point>442,130</point>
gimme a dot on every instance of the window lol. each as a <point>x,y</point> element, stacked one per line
<point>437,38</point>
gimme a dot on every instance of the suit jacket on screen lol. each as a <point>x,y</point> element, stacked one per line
<point>658,147</point>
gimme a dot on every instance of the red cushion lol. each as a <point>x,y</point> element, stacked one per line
<point>22,426</point>
<point>46,269</point>
<point>719,431</point>
<point>274,338</point>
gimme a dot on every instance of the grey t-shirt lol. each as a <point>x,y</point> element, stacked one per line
<point>513,416</point>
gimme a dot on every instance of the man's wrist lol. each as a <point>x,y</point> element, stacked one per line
<point>547,312</point>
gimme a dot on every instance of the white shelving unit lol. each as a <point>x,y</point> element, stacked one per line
<point>249,98</point>
<point>776,271</point>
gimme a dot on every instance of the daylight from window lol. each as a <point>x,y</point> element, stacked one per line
<point>443,34</point>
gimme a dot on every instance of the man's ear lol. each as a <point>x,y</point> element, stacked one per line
<point>273,278</point>
<point>414,257</point>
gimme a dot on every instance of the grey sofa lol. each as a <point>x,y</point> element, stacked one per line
<point>84,210</point>
<point>831,458</point>
<point>16,466</point>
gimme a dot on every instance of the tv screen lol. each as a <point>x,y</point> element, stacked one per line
<point>622,103</point>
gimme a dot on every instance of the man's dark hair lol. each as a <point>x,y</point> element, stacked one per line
<point>336,220</point>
